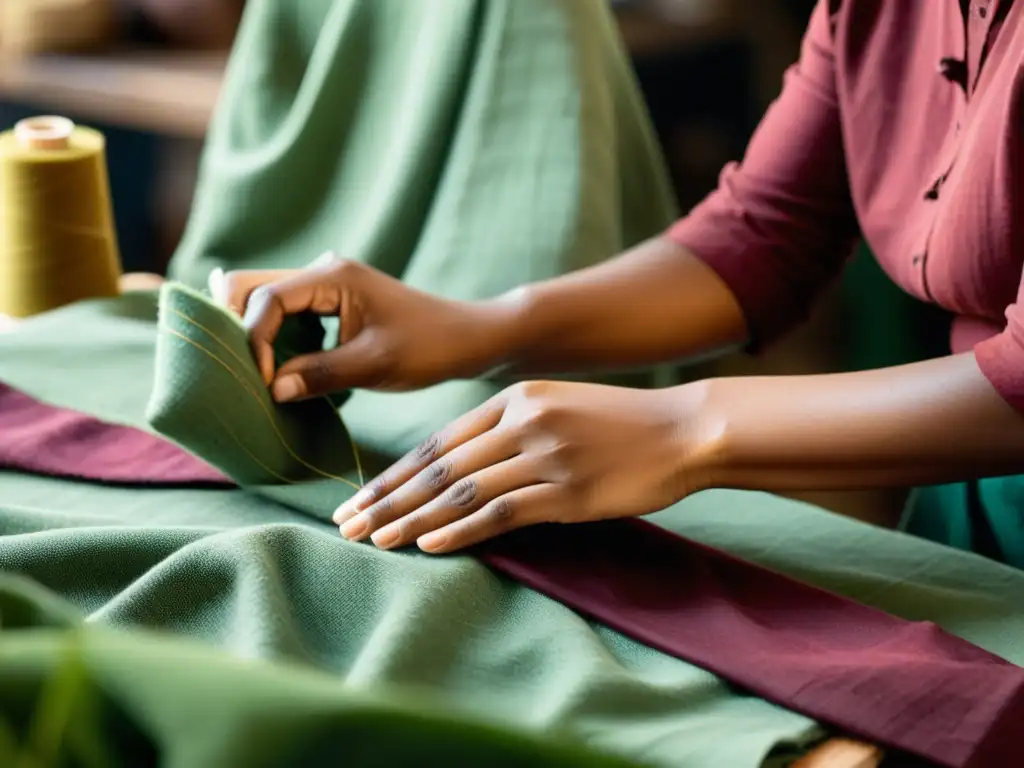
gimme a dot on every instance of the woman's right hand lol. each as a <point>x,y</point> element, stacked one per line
<point>392,337</point>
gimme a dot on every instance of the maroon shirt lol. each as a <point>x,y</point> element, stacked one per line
<point>902,121</point>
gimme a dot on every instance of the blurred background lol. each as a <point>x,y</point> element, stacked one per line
<point>147,73</point>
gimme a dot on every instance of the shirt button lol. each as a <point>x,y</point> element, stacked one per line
<point>918,258</point>
<point>983,11</point>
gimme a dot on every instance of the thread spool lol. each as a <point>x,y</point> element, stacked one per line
<point>57,240</point>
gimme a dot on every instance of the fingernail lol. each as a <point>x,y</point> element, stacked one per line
<point>287,388</point>
<point>432,541</point>
<point>354,529</point>
<point>361,500</point>
<point>216,285</point>
<point>385,538</point>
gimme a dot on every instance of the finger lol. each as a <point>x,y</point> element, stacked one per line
<point>313,290</point>
<point>360,363</point>
<point>459,432</point>
<point>232,289</point>
<point>526,506</point>
<point>462,500</point>
<point>445,478</point>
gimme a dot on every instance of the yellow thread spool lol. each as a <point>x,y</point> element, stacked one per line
<point>57,240</point>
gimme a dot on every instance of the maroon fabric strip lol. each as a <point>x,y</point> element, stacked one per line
<point>44,440</point>
<point>906,685</point>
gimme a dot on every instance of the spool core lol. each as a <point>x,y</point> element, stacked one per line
<point>48,132</point>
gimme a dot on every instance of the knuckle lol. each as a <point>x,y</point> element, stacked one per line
<point>320,371</point>
<point>531,390</point>
<point>376,489</point>
<point>429,449</point>
<point>502,511</point>
<point>560,454</point>
<point>538,418</point>
<point>463,494</point>
<point>381,512</point>
<point>438,474</point>
<point>344,269</point>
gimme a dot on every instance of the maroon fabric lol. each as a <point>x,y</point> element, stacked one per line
<point>902,122</point>
<point>51,441</point>
<point>906,685</point>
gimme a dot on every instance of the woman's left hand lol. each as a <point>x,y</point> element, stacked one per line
<point>539,452</point>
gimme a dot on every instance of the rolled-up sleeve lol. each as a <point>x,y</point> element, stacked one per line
<point>781,224</point>
<point>1001,358</point>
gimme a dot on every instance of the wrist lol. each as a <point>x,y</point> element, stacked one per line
<point>498,331</point>
<point>700,432</point>
<point>495,332</point>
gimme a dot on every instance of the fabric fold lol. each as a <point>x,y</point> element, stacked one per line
<point>907,685</point>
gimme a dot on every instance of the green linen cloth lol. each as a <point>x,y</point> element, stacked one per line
<point>98,698</point>
<point>465,146</point>
<point>208,396</point>
<point>262,581</point>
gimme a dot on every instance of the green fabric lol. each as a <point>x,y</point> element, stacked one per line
<point>208,396</point>
<point>262,581</point>
<point>466,147</point>
<point>98,698</point>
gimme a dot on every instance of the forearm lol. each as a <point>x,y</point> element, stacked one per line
<point>655,304</point>
<point>926,423</point>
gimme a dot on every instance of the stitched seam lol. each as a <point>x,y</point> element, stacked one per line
<point>227,347</point>
<point>266,411</point>
<point>244,363</point>
<point>249,453</point>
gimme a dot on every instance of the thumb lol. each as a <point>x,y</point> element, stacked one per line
<point>354,364</point>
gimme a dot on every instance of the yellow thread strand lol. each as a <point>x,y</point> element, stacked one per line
<point>351,440</point>
<point>263,406</point>
<point>227,347</point>
<point>250,454</point>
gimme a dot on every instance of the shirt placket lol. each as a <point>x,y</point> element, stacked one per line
<point>956,69</point>
<point>962,70</point>
<point>981,15</point>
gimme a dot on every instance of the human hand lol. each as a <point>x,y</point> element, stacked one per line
<point>539,452</point>
<point>391,337</point>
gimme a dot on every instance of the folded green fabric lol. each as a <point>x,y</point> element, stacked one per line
<point>82,696</point>
<point>464,146</point>
<point>208,396</point>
